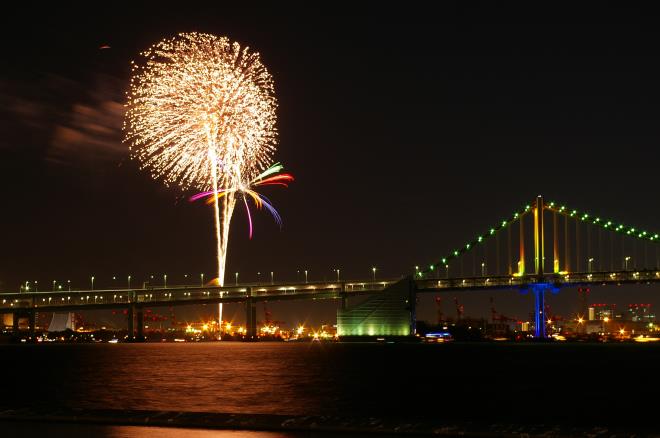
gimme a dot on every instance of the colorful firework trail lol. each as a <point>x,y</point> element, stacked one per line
<point>270,177</point>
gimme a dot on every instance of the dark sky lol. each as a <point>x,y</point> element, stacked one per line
<point>409,130</point>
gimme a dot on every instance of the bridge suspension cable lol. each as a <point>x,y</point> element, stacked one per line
<point>581,251</point>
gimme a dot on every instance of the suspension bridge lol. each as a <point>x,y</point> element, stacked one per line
<point>585,250</point>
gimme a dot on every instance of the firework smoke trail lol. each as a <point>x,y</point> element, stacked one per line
<point>201,114</point>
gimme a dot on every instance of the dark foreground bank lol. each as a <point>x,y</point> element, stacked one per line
<point>30,422</point>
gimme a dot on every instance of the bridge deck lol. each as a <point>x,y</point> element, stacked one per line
<point>180,295</point>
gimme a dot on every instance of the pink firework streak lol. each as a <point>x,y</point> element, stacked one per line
<point>270,177</point>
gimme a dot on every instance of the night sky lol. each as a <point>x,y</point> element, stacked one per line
<point>409,130</point>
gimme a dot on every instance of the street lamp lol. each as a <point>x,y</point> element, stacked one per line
<point>298,275</point>
<point>337,274</point>
<point>129,281</point>
<point>54,282</point>
<point>69,283</point>
<point>447,268</point>
<point>201,279</point>
<point>36,286</point>
<point>271,278</point>
<point>164,280</point>
<point>237,279</point>
<point>258,277</point>
<point>305,275</point>
<point>92,282</point>
<point>590,264</point>
<point>626,265</point>
<point>374,272</point>
<point>483,269</point>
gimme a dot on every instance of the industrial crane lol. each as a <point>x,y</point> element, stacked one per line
<point>498,317</point>
<point>459,309</point>
<point>438,303</point>
<point>268,322</point>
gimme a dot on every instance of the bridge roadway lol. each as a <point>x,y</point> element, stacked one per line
<point>64,301</point>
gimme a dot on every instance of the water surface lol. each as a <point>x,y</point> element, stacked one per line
<point>565,383</point>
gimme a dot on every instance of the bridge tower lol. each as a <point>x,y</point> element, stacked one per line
<point>539,286</point>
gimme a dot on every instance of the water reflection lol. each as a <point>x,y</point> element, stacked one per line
<point>38,430</point>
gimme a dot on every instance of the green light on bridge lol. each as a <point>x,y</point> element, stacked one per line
<point>492,231</point>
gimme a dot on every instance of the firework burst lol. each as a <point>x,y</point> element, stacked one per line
<point>201,114</point>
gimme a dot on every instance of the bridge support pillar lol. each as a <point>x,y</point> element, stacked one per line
<point>412,304</point>
<point>250,320</point>
<point>539,312</point>
<point>540,318</point>
<point>140,325</point>
<point>131,317</point>
<point>32,323</point>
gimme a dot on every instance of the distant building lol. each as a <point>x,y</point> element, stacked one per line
<point>600,311</point>
<point>389,313</point>
<point>62,321</point>
<point>640,313</point>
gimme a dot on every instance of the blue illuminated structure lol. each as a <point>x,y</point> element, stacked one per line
<point>539,290</point>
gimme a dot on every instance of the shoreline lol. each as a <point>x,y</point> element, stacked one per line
<point>306,424</point>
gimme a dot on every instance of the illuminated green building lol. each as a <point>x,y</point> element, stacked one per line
<point>386,314</point>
